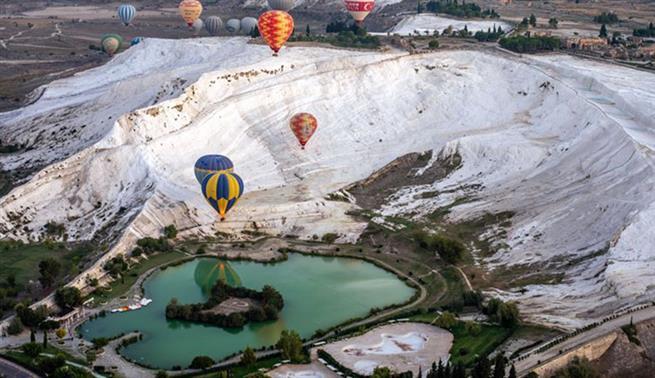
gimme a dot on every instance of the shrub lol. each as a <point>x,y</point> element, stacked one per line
<point>201,362</point>
<point>170,232</point>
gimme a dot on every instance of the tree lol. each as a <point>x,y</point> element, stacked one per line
<point>68,297</point>
<point>533,20</point>
<point>577,368</point>
<point>482,368</point>
<point>248,357</point>
<point>11,280</point>
<point>472,328</point>
<point>419,6</point>
<point>603,31</point>
<point>48,270</point>
<point>161,374</point>
<point>446,320</point>
<point>553,22</point>
<point>100,342</point>
<point>47,326</point>
<point>32,350</point>
<point>381,372</point>
<point>459,371</point>
<point>31,318</point>
<point>499,366</point>
<point>308,31</point>
<point>290,345</point>
<point>170,232</point>
<point>512,372</point>
<point>433,44</point>
<point>201,362</point>
<point>49,365</point>
<point>508,315</point>
<point>15,326</point>
<point>255,32</point>
<point>90,356</point>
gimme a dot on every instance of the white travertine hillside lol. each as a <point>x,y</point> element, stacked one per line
<point>565,144</point>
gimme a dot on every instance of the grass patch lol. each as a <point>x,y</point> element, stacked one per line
<point>22,260</point>
<point>489,338</point>
<point>122,285</point>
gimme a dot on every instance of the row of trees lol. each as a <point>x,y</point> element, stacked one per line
<point>459,10</point>
<point>491,35</point>
<point>606,18</point>
<point>645,32</point>
<point>270,302</point>
<point>450,250</point>
<point>523,44</point>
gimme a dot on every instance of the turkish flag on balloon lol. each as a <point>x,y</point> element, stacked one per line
<point>359,9</point>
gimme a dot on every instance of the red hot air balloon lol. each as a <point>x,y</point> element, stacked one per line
<point>359,9</point>
<point>303,126</point>
<point>276,28</point>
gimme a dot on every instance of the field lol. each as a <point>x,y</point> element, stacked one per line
<point>22,260</point>
<point>487,341</point>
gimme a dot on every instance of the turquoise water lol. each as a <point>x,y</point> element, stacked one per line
<point>319,292</point>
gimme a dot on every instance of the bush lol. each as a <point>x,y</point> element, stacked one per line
<point>606,18</point>
<point>68,297</point>
<point>329,238</point>
<point>152,245</point>
<point>201,362</point>
<point>433,44</point>
<point>170,232</point>
<point>15,326</point>
<point>32,350</point>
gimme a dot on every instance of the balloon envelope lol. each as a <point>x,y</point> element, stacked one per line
<point>222,191</point>
<point>210,164</point>
<point>213,24</point>
<point>190,11</point>
<point>276,28</point>
<point>208,272</point>
<point>283,5</point>
<point>111,43</point>
<point>233,25</point>
<point>303,126</point>
<point>198,25</point>
<point>359,9</point>
<point>248,24</point>
<point>126,13</point>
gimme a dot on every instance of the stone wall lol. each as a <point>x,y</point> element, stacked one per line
<point>591,351</point>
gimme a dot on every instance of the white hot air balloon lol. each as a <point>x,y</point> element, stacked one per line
<point>213,24</point>
<point>233,25</point>
<point>248,24</point>
<point>198,25</point>
<point>283,5</point>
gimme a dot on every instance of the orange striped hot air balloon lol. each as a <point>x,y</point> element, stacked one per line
<point>303,126</point>
<point>190,11</point>
<point>276,28</point>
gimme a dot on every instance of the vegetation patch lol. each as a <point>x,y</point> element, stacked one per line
<point>532,44</point>
<point>468,345</point>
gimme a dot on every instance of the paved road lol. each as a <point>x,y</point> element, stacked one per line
<point>12,370</point>
<point>529,363</point>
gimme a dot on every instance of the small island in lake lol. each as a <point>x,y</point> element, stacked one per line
<point>230,306</point>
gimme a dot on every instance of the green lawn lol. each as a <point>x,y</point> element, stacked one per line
<point>489,338</point>
<point>22,359</point>
<point>121,286</point>
<point>22,260</point>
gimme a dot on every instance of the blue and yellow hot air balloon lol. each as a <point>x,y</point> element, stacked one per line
<point>210,164</point>
<point>126,13</point>
<point>222,191</point>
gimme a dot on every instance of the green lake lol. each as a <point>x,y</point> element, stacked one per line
<point>319,292</point>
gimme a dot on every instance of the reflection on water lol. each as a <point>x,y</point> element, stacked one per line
<point>318,292</point>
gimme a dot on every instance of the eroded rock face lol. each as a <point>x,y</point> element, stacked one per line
<point>564,146</point>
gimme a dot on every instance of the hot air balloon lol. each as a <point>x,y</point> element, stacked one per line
<point>136,41</point>
<point>198,25</point>
<point>359,9</point>
<point>248,24</point>
<point>303,126</point>
<point>213,24</point>
<point>210,164</point>
<point>276,28</point>
<point>111,43</point>
<point>126,13</point>
<point>207,272</point>
<point>283,5</point>
<point>233,25</point>
<point>222,191</point>
<point>190,11</point>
